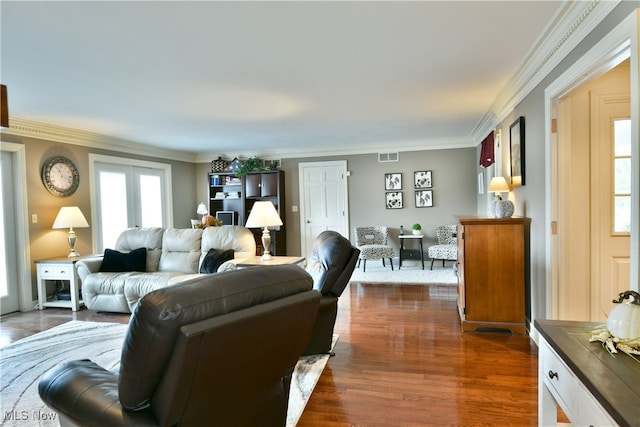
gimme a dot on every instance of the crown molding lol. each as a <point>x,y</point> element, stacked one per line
<point>569,26</point>
<point>365,148</point>
<point>32,129</point>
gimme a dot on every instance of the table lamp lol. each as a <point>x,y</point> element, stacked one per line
<point>202,210</point>
<point>70,217</point>
<point>264,214</point>
<point>501,208</point>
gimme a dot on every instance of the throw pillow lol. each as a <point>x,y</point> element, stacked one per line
<point>117,262</point>
<point>214,259</point>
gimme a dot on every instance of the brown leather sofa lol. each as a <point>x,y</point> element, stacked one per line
<point>216,350</point>
<point>332,262</point>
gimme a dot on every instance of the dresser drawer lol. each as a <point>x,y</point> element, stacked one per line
<point>56,271</point>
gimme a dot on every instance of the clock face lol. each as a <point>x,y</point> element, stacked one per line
<point>60,176</point>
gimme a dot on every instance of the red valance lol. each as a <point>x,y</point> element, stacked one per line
<point>486,152</point>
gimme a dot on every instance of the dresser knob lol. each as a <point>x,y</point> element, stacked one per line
<point>553,374</point>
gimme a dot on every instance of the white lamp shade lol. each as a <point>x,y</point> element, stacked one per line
<point>202,209</point>
<point>263,214</point>
<point>70,217</point>
<point>499,185</point>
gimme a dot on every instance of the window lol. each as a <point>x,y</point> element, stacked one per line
<point>622,176</point>
<point>128,193</point>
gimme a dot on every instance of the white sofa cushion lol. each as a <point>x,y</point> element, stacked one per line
<point>181,250</point>
<point>235,237</point>
<point>142,237</point>
<point>140,284</point>
<point>105,291</point>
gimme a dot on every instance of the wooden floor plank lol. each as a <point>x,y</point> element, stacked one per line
<point>401,360</point>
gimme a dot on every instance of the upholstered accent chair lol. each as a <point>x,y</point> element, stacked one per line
<point>331,264</point>
<point>219,349</point>
<point>372,242</point>
<point>447,247</point>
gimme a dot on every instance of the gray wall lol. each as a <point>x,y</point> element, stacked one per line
<point>454,191</point>
<point>529,200</point>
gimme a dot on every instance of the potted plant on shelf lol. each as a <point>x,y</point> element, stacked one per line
<point>417,228</point>
<point>251,164</point>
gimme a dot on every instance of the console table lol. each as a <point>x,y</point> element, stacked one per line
<point>592,386</point>
<point>411,253</point>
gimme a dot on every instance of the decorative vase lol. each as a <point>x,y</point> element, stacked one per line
<point>417,231</point>
<point>503,208</point>
<point>219,165</point>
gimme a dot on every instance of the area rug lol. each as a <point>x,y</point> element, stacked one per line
<point>410,273</point>
<point>23,363</point>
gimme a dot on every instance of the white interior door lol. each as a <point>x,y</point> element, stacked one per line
<point>323,200</point>
<point>610,199</point>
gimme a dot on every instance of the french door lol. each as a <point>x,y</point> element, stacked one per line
<point>9,301</point>
<point>128,193</point>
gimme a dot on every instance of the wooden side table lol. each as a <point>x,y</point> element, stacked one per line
<point>411,253</point>
<point>62,268</point>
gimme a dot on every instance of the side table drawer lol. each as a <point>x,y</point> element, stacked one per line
<point>411,254</point>
<point>55,271</point>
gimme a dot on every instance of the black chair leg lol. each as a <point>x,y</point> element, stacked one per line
<point>364,266</point>
<point>391,262</point>
<point>383,264</point>
<point>442,263</point>
<point>432,263</point>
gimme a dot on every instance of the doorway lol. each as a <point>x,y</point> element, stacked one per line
<point>591,258</point>
<point>15,274</point>
<point>323,201</point>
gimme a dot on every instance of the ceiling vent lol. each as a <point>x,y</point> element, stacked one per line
<point>388,157</point>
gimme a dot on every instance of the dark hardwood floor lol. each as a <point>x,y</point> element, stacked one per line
<point>401,360</point>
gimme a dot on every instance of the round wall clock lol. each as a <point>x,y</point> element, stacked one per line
<point>60,176</point>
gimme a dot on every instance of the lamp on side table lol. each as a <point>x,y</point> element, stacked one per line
<point>70,217</point>
<point>264,214</point>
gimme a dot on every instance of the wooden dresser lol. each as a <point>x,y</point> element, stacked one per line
<point>491,273</point>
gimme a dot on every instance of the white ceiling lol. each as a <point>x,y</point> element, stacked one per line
<point>266,77</point>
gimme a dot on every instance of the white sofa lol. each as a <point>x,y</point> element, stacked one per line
<point>173,256</point>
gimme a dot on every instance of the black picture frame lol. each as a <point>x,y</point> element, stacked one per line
<point>392,181</point>
<point>393,199</point>
<point>424,198</point>
<point>422,179</point>
<point>516,145</point>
